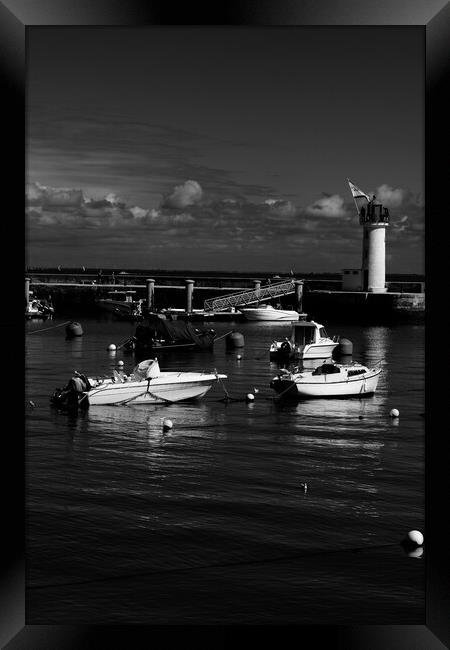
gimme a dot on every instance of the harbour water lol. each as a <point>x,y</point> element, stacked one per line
<point>208,523</point>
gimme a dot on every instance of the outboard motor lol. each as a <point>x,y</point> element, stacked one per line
<point>70,397</point>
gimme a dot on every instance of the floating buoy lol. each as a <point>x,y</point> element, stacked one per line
<point>416,552</point>
<point>73,329</point>
<point>167,424</point>
<point>250,397</point>
<point>238,357</point>
<point>234,340</point>
<point>415,537</point>
<point>345,347</point>
<point>394,413</point>
<point>31,403</point>
<point>112,347</point>
<point>120,363</point>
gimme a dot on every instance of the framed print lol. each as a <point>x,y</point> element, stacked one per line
<point>174,159</point>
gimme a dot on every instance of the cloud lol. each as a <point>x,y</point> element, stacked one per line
<point>50,197</point>
<point>328,206</point>
<point>389,197</point>
<point>184,195</point>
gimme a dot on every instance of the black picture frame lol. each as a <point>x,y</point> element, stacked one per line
<point>16,16</point>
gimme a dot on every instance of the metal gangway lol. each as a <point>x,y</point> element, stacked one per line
<point>248,297</point>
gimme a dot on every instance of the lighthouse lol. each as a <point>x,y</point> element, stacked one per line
<point>374,218</point>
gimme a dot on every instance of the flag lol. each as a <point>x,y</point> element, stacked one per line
<point>356,192</point>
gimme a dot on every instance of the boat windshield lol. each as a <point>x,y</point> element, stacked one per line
<point>322,333</point>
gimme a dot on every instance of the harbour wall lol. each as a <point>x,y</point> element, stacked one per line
<point>76,294</point>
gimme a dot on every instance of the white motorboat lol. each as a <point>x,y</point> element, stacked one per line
<point>146,385</point>
<point>308,340</point>
<point>269,313</point>
<point>328,380</point>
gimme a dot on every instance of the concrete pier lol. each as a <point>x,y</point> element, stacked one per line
<point>189,292</point>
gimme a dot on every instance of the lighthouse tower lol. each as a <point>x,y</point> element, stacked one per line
<point>374,218</point>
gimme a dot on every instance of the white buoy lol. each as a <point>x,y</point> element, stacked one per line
<point>112,347</point>
<point>416,552</point>
<point>394,413</point>
<point>250,397</point>
<point>238,357</point>
<point>167,424</point>
<point>120,363</point>
<point>415,537</point>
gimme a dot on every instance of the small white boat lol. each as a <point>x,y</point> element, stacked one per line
<point>328,380</point>
<point>269,313</point>
<point>308,340</point>
<point>146,385</point>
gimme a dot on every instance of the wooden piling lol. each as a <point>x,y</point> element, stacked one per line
<point>189,292</point>
<point>150,294</point>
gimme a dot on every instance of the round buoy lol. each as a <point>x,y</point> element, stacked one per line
<point>112,347</point>
<point>394,413</point>
<point>120,363</point>
<point>238,357</point>
<point>345,347</point>
<point>73,329</point>
<point>415,537</point>
<point>250,397</point>
<point>234,340</point>
<point>167,424</point>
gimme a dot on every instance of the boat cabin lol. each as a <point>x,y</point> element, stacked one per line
<point>307,332</point>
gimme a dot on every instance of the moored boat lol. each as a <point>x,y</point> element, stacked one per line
<point>269,313</point>
<point>158,333</point>
<point>308,340</point>
<point>121,303</point>
<point>328,380</point>
<point>147,384</point>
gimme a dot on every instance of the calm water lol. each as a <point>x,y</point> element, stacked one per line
<point>207,524</point>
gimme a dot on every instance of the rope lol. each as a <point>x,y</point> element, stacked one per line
<point>218,565</point>
<point>50,328</point>
<point>217,338</point>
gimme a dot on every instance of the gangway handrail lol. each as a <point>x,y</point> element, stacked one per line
<point>248,297</point>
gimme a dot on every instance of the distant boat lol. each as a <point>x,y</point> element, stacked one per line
<point>121,303</point>
<point>328,380</point>
<point>146,385</point>
<point>36,308</point>
<point>308,340</point>
<point>269,313</point>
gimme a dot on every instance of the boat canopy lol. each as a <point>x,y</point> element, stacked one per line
<point>147,369</point>
<point>173,331</point>
<point>326,369</point>
<point>303,333</point>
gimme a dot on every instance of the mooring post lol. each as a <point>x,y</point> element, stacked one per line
<point>27,292</point>
<point>257,284</point>
<point>150,294</point>
<point>189,292</point>
<point>299,295</point>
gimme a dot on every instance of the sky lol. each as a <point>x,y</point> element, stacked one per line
<point>222,148</point>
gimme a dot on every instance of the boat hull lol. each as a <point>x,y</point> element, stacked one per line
<point>327,386</point>
<point>159,390</point>
<point>117,306</point>
<point>270,315</point>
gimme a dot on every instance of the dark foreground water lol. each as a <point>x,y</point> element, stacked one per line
<point>208,524</point>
